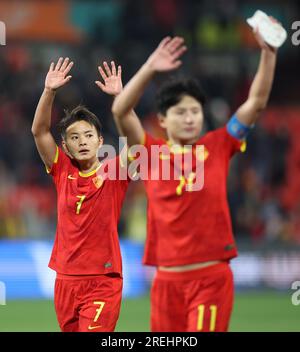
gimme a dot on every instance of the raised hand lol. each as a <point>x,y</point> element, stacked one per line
<point>57,75</point>
<point>112,79</point>
<point>166,56</point>
<point>263,45</point>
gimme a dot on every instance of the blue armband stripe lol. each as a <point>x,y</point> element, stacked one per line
<point>237,129</point>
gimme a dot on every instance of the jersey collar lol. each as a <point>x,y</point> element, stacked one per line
<point>82,174</point>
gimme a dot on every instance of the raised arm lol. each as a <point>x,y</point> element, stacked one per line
<point>164,58</point>
<point>261,86</point>
<point>111,84</point>
<point>56,78</point>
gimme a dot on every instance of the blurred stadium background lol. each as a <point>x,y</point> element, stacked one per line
<point>264,187</point>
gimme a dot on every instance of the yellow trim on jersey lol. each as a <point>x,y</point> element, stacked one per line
<point>130,157</point>
<point>56,156</point>
<point>243,146</point>
<point>143,142</point>
<point>178,149</point>
<point>122,162</point>
<point>54,161</point>
<point>89,173</point>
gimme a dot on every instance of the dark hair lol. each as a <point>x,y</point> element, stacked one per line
<point>174,89</point>
<point>80,113</point>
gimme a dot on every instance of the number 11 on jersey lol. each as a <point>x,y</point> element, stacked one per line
<point>213,317</point>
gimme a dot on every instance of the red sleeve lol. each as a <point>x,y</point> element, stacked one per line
<point>228,143</point>
<point>149,140</point>
<point>60,165</point>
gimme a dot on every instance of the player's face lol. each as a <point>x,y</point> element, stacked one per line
<point>82,141</point>
<point>183,121</point>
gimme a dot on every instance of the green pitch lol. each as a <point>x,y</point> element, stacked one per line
<point>263,311</point>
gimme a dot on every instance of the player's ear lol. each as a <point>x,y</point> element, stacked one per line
<point>101,140</point>
<point>65,148</point>
<point>162,120</point>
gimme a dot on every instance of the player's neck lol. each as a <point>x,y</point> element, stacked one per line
<point>86,166</point>
<point>174,141</point>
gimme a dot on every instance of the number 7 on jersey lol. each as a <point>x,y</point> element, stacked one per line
<point>79,203</point>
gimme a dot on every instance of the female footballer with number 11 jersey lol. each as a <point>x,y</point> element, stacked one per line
<point>189,232</point>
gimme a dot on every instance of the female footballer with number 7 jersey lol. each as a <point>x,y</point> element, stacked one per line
<point>86,253</point>
<point>189,232</point>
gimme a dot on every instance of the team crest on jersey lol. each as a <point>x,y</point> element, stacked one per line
<point>202,156</point>
<point>98,181</point>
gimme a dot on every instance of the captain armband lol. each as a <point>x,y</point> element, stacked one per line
<point>237,129</point>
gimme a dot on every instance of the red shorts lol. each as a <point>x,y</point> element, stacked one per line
<point>87,303</point>
<point>195,300</point>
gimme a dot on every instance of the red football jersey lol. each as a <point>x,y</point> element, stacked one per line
<point>187,227</point>
<point>88,211</point>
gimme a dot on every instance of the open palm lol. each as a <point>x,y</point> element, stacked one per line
<point>57,75</point>
<point>112,79</point>
<point>166,56</point>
